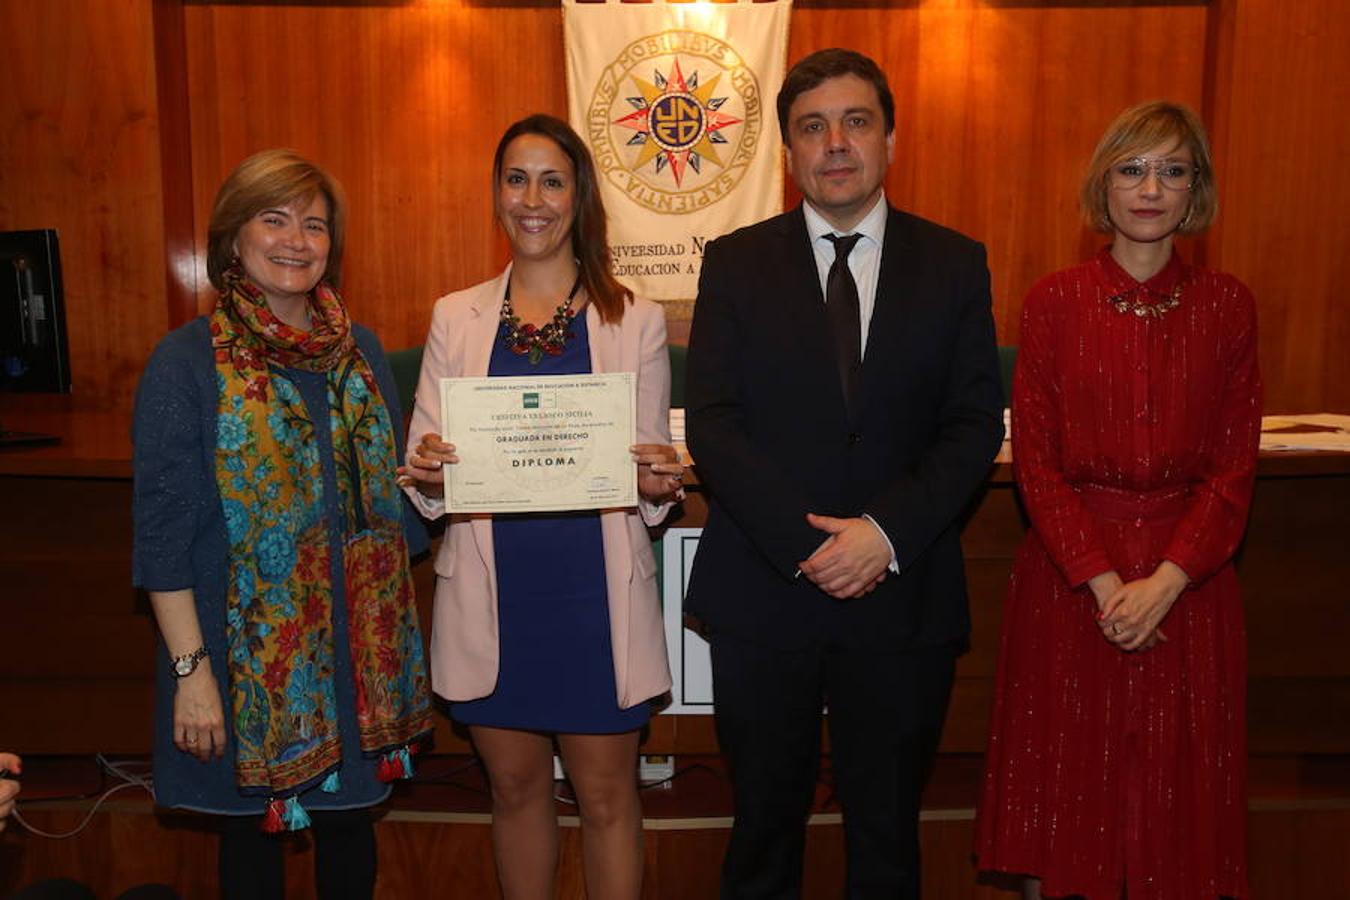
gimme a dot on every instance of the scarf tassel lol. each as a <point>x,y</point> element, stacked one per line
<point>332,784</point>
<point>395,764</point>
<point>284,815</point>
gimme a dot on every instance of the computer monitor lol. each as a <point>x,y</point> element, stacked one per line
<point>34,356</point>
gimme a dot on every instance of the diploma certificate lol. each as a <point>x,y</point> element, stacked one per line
<point>545,444</point>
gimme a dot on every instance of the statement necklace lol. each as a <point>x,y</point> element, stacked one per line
<point>1136,300</point>
<point>537,341</point>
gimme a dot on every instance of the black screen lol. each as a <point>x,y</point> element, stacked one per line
<point>33,352</point>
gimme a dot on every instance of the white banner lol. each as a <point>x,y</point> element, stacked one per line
<point>676,101</point>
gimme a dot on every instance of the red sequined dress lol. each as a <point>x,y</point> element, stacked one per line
<point>1134,440</point>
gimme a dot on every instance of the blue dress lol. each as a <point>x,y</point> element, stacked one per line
<point>181,542</point>
<point>556,669</point>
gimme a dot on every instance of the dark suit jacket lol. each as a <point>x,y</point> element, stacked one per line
<point>768,431</point>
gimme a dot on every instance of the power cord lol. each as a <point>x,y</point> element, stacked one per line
<point>119,771</point>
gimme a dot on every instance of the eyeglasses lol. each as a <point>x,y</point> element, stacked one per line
<point>1175,175</point>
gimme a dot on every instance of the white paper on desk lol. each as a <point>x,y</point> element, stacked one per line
<point>1289,432</point>
<point>676,425</point>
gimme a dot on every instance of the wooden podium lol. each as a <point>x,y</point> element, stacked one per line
<point>76,671</point>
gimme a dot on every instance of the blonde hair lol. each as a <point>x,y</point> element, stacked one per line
<point>1134,132</point>
<point>265,180</point>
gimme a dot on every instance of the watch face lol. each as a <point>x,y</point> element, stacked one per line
<point>187,664</point>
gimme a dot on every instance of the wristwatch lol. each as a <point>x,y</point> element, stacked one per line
<point>185,665</point>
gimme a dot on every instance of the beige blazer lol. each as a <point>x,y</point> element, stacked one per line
<point>464,651</point>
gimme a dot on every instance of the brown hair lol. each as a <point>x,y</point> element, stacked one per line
<point>810,71</point>
<point>1134,132</point>
<point>590,242</point>
<point>265,180</point>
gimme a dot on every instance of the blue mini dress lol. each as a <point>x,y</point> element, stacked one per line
<point>556,662</point>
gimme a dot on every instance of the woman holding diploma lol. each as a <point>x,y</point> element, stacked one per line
<point>549,625</point>
<point>271,537</point>
<point>1117,750</point>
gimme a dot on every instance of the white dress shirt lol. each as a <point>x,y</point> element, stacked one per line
<point>865,264</point>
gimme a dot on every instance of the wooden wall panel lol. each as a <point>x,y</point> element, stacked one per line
<point>403,105</point>
<point>998,110</point>
<point>79,152</point>
<point>1284,190</point>
<point>999,105</point>
<point>180,243</point>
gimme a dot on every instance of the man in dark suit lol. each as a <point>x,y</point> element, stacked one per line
<point>844,406</point>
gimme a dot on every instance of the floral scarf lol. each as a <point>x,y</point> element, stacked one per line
<point>279,616</point>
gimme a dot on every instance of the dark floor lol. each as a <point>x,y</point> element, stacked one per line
<point>700,787</point>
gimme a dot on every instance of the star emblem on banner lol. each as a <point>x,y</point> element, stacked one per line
<point>676,122</point>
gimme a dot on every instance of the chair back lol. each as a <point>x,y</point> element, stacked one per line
<point>407,365</point>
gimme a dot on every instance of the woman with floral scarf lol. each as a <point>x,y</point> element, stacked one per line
<point>274,545</point>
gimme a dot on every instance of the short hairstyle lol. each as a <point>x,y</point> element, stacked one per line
<point>590,241</point>
<point>266,180</point>
<point>1133,133</point>
<point>822,65</point>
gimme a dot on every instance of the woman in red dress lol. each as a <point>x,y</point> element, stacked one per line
<point>1117,750</point>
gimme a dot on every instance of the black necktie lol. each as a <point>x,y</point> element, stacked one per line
<point>841,305</point>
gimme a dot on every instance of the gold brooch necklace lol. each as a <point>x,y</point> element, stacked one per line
<point>1135,300</point>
